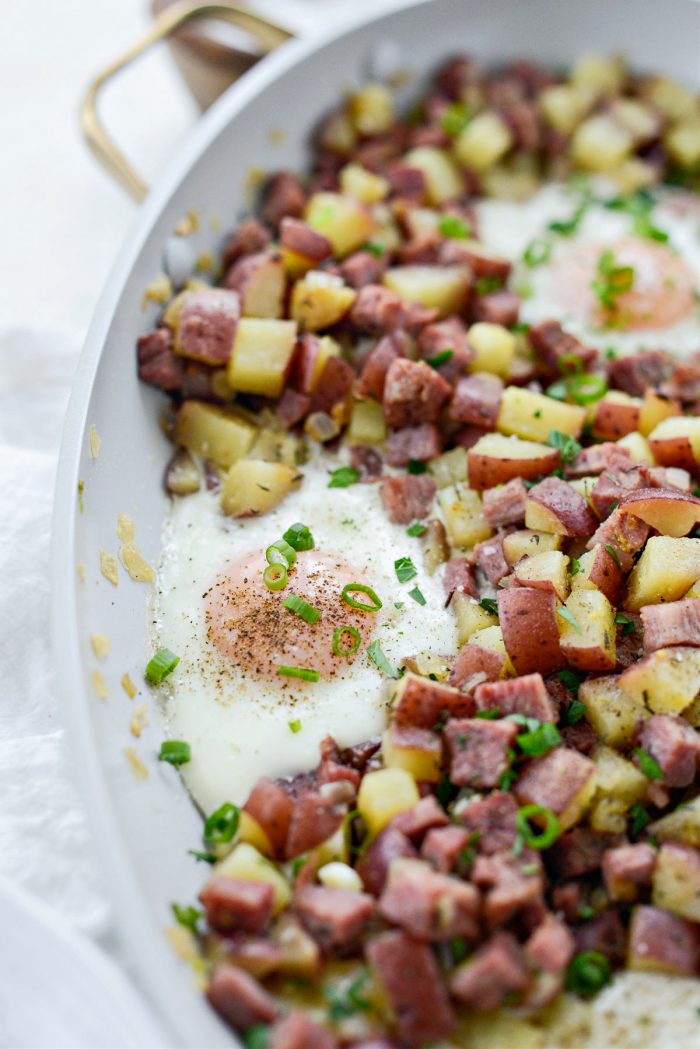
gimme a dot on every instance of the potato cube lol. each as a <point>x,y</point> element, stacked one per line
<point>336,875</point>
<point>565,105</point>
<point>598,74</point>
<point>584,486</point>
<point>463,513</point>
<point>443,288</point>
<point>600,144</point>
<point>336,848</point>
<point>300,954</point>
<point>608,815</point>
<point>639,119</point>
<point>320,300</point>
<point>671,100</point>
<point>262,355</point>
<point>638,447</point>
<point>491,638</point>
<point>497,459</point>
<point>275,446</point>
<point>250,831</point>
<point>676,881</point>
<point>345,222</point>
<point>683,142</point>
<point>253,486</point>
<point>485,139</point>
<point>371,109</point>
<point>364,185</point>
<point>547,570</point>
<point>683,824</point>
<point>633,174</point>
<point>428,664</point>
<point>470,617</point>
<point>247,864</point>
<point>610,710</point>
<point>417,751</point>
<point>383,795</point>
<point>494,347</point>
<point>590,645</point>
<point>665,681</point>
<point>617,777</point>
<point>525,542</point>
<point>616,414</point>
<point>367,423</point>
<point>450,467</point>
<point>694,590</point>
<point>533,415</point>
<point>654,410</point>
<point>442,176</point>
<point>213,433</point>
<point>667,567</point>
<point>676,442</point>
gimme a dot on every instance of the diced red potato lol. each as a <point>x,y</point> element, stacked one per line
<point>476,400</point>
<point>562,781</point>
<point>419,443</point>
<point>298,1031</point>
<point>603,572</point>
<point>675,747</point>
<point>628,870</point>
<point>554,506</point>
<point>443,846</point>
<point>676,442</point>
<point>505,504</point>
<point>669,511</point>
<point>496,971</point>
<point>376,364</point>
<point>525,695</point>
<point>615,415</point>
<point>239,998</point>
<point>207,324</point>
<point>496,459</point>
<point>407,498</point>
<point>422,817</point>
<point>417,750</point>
<point>409,975</point>
<point>232,904</point>
<point>625,533</point>
<point>672,623</point>
<point>476,665</point>
<point>661,942</point>
<point>429,905</point>
<point>498,307</point>
<point>336,918</point>
<point>307,364</point>
<point>511,883</point>
<point>298,237</point>
<point>373,865</point>
<point>413,393</point>
<point>260,282</point>
<point>426,703</point>
<point>489,557</point>
<point>676,881</point>
<point>558,350</point>
<point>292,407</point>
<point>530,632</point>
<point>478,750</point>
<point>271,807</point>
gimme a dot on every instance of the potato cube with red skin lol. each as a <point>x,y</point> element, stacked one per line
<point>505,504</point>
<point>478,750</point>
<point>413,393</point>
<point>661,942</point>
<point>615,415</point>
<point>496,459</point>
<point>669,511</point>
<point>598,570</point>
<point>424,703</point>
<point>530,631</point>
<point>343,221</point>
<point>271,807</point>
<point>475,665</point>
<point>416,750</point>
<point>261,284</point>
<point>677,880</point>
<point>562,781</point>
<point>676,442</point>
<point>444,289</point>
<point>206,324</point>
<point>554,506</point>
<point>545,571</point>
<point>587,630</point>
<point>675,623</point>
<point>627,870</point>
<point>429,905</point>
<point>624,533</point>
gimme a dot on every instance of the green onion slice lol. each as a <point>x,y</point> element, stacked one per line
<point>530,837</point>
<point>454,228</point>
<point>275,577</point>
<point>416,529</point>
<point>174,751</point>
<point>405,569</point>
<point>162,664</point>
<point>220,828</point>
<point>343,477</point>
<point>299,537</point>
<point>588,973</point>
<point>417,595</point>
<point>374,651</point>
<point>281,553</point>
<point>338,650</point>
<point>360,588</point>
<point>440,358</point>
<point>649,766</point>
<point>302,608</point>
<point>585,389</point>
<point>570,618</point>
<point>302,673</point>
<point>295,726</point>
<point>542,739</point>
<point>537,253</point>
<point>575,711</point>
<point>186,916</point>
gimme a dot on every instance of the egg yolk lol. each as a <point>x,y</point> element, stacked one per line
<point>658,293</point>
<point>250,626</point>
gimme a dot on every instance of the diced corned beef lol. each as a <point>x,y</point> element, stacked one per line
<point>637,372</point>
<point>492,820</point>
<point>271,807</point>
<point>407,737</point>
<point>283,195</point>
<point>557,781</point>
<point>468,436</point>
<point>490,558</point>
<point>413,393</point>
<point>377,310</point>
<point>511,883</point>
<point>376,364</point>
<point>410,977</point>
<point>482,265</point>
<point>674,745</point>
<point>474,666</point>
<point>660,940</point>
<point>611,487</point>
<point>358,756</point>
<point>505,504</point>
<point>627,869</point>
<point>207,325</point>
<point>526,695</point>
<point>530,612</point>
<point>568,506</point>
<point>498,307</point>
<point>313,821</point>
<point>334,386</point>
<point>496,971</point>
<point>558,350</point>
<point>419,443</point>
<point>303,374</point>
<point>580,851</point>
<point>296,236</point>
<point>298,1031</point>
<point>523,119</point>
<point>248,239</point>
<point>373,865</point>
<point>599,457</point>
<point>407,497</point>
<point>459,577</point>
<point>375,1043</point>
<point>367,461</point>
<point>362,268</point>
<point>675,623</point>
<point>254,954</point>
<point>569,899</point>
<point>551,946</point>
<point>407,181</point>
<point>331,771</point>
<point>448,335</point>
<point>239,999</point>
<point>684,382</point>
<point>429,905</point>
<point>292,407</point>
<point>427,703</point>
<point>478,750</point>
<point>336,918</point>
<point>476,400</point>
<point>422,250</point>
<point>231,903</point>
<point>625,533</point>
<point>443,846</point>
<point>157,363</point>
<point>581,736</point>
<point>457,74</point>
<point>604,934</point>
<point>420,818</point>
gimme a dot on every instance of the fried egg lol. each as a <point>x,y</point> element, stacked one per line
<point>225,698</point>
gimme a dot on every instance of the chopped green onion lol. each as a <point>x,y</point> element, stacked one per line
<point>338,637</point>
<point>281,553</point>
<point>186,916</point>
<point>440,358</point>
<point>454,228</point>
<point>528,836</point>
<point>588,973</point>
<point>275,577</point>
<point>360,588</point>
<point>574,712</point>
<point>567,227</point>
<point>485,285</point>
<point>343,477</point>
<point>295,726</point>
<point>417,596</point>
<point>454,119</point>
<point>537,253</point>
<point>490,605</point>
<point>612,281</point>
<point>570,679</point>
<point>614,554</point>
<point>302,608</point>
<point>507,779</point>
<point>568,447</point>
<point>531,724</point>
<point>559,391</point>
<point>649,766</point>
<point>299,537</point>
<point>415,467</point>
<point>640,818</point>
<point>345,1003</point>
<point>585,389</point>
<point>488,715</point>
<point>374,249</point>
<point>202,857</point>
<point>458,946</point>
<point>568,616</point>
<point>162,664</point>
<point>416,529</point>
<point>405,569</point>
<point>220,828</point>
<point>540,741</point>
<point>627,624</point>
<point>174,751</point>
<point>256,1037</point>
<point>302,673</point>
<point>568,363</point>
<point>374,651</point>
<point>575,566</point>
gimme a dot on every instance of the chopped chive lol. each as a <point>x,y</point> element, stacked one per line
<point>639,819</point>
<point>347,1002</point>
<point>374,651</point>
<point>567,615</point>
<point>275,577</point>
<point>338,650</point>
<point>627,624</point>
<point>614,554</point>
<point>458,946</point>
<point>588,973</point>
<point>454,228</point>
<point>574,712</point>
<point>281,553</point>
<point>220,828</point>
<point>485,285</point>
<point>414,467</point>
<point>568,447</point>
<point>575,566</point>
<point>649,766</point>
<point>537,253</point>
<point>558,391</point>
<point>531,838</point>
<point>541,740</point>
<point>299,607</point>
<point>299,537</point>
<point>405,569</point>
<point>162,664</point>
<point>295,726</point>
<point>417,596</point>
<point>612,280</point>
<point>256,1037</point>
<point>202,857</point>
<point>488,715</point>
<point>360,588</point>
<point>416,529</point>
<point>186,916</point>
<point>174,751</point>
<point>490,605</point>
<point>440,358</point>
<point>343,477</point>
<point>454,119</point>
<point>585,389</point>
<point>374,249</point>
<point>570,679</point>
<point>302,673</point>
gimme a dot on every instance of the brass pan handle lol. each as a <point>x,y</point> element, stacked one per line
<point>100,142</point>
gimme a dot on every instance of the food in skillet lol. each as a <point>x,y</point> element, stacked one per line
<point>438,443</point>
